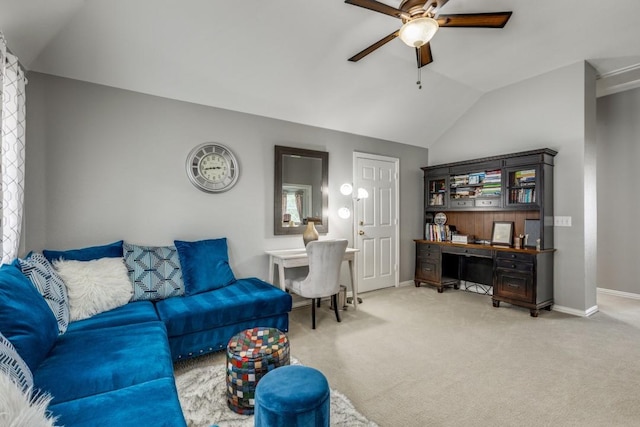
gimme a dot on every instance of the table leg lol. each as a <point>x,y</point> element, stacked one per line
<point>271,269</point>
<point>281,277</point>
<point>354,285</point>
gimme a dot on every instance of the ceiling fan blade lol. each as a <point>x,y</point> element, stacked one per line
<point>423,55</point>
<point>358,56</point>
<point>474,20</point>
<point>378,7</point>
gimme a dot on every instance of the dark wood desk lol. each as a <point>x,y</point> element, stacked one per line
<point>522,277</point>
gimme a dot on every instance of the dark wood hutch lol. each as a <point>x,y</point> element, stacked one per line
<point>474,194</point>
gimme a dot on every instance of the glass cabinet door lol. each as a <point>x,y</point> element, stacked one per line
<point>436,192</point>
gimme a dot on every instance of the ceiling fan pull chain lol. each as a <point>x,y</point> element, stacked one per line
<point>419,83</point>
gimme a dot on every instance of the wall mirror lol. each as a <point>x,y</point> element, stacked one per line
<point>300,190</point>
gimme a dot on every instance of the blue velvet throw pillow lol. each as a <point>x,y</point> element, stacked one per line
<point>44,277</point>
<point>205,265</point>
<point>12,365</point>
<point>25,317</point>
<point>154,271</point>
<point>112,250</point>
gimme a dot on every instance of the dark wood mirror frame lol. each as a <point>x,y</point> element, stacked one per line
<point>323,225</point>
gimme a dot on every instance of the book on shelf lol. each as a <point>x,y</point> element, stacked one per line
<point>437,199</point>
<point>494,176</point>
<point>525,177</point>
<point>523,195</point>
<point>437,232</point>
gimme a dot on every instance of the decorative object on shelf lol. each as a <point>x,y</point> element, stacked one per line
<point>440,218</point>
<point>212,167</point>
<point>310,233</point>
<point>531,232</point>
<point>502,233</point>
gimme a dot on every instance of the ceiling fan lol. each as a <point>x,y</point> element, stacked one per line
<point>421,20</point>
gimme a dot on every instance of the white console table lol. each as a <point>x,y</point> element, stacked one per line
<point>290,258</point>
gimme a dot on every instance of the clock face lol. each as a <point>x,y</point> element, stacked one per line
<point>212,168</point>
<point>440,218</point>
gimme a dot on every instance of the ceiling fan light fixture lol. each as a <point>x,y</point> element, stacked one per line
<point>418,32</point>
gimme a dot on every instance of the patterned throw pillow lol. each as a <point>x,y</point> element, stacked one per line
<point>13,366</point>
<point>44,277</point>
<point>154,271</point>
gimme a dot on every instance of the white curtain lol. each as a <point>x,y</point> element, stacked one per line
<point>12,96</point>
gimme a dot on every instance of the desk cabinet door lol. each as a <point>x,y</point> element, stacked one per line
<point>428,270</point>
<point>514,284</point>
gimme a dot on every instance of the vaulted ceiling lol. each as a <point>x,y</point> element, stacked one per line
<point>287,59</point>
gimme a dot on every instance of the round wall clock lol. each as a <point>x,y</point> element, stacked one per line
<point>440,218</point>
<point>212,167</point>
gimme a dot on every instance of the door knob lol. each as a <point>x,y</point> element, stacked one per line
<point>361,233</point>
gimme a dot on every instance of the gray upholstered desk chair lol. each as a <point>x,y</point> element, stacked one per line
<point>323,280</point>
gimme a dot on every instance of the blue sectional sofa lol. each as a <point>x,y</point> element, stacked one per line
<point>116,367</point>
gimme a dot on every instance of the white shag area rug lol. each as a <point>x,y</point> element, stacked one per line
<point>202,392</point>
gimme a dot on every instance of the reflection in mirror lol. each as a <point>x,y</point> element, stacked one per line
<point>300,193</point>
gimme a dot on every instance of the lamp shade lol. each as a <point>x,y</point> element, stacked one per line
<point>346,189</point>
<point>418,32</point>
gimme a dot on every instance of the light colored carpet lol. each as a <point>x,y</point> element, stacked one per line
<point>202,390</point>
<point>412,357</point>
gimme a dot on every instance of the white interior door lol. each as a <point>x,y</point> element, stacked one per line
<point>376,221</point>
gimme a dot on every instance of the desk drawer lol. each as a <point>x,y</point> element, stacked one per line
<point>515,256</point>
<point>426,250</point>
<point>457,204</point>
<point>483,253</point>
<point>515,285</point>
<point>489,203</point>
<point>428,270</point>
<point>506,264</point>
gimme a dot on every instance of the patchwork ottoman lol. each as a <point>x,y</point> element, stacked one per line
<point>251,354</point>
<point>293,396</point>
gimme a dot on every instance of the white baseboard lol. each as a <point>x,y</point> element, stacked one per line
<point>618,293</point>
<point>568,310</point>
<point>406,283</point>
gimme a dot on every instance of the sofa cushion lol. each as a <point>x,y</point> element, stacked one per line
<point>44,277</point>
<point>84,363</point>
<point>152,403</point>
<point>12,365</point>
<point>111,250</point>
<point>205,265</point>
<point>154,271</point>
<point>128,314</point>
<point>95,286</point>
<point>244,299</point>
<point>25,317</point>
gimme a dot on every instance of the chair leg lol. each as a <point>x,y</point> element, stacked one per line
<point>313,314</point>
<point>334,299</point>
<point>319,299</point>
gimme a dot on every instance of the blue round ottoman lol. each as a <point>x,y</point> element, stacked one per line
<point>293,395</point>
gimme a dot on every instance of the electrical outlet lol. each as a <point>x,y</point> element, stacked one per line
<point>562,221</point>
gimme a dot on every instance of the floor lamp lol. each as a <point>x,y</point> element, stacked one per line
<point>345,212</point>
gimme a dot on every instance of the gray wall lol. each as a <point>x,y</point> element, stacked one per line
<point>105,164</point>
<point>618,204</point>
<point>554,110</point>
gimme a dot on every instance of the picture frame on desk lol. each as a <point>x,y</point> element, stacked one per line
<point>502,233</point>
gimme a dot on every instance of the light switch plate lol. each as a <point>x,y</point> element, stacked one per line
<point>562,221</point>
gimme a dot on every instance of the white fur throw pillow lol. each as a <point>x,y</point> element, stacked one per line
<point>22,408</point>
<point>95,286</point>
